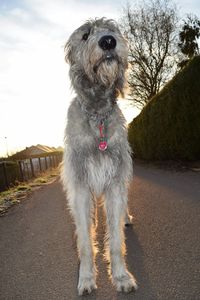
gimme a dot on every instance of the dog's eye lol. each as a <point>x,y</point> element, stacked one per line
<point>85,36</point>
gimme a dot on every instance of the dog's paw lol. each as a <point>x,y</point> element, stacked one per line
<point>125,283</point>
<point>86,285</point>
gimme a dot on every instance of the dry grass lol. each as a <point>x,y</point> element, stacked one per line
<point>19,192</point>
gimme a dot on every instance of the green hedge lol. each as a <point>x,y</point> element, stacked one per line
<point>168,128</point>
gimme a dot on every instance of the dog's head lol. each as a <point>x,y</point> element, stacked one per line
<point>97,54</point>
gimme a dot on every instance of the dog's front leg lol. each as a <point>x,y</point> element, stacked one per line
<point>82,210</point>
<point>115,205</point>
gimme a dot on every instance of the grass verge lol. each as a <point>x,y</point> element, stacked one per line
<point>16,194</point>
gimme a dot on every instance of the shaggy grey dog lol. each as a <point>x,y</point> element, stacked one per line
<point>97,161</point>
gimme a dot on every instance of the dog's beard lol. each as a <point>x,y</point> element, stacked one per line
<point>101,68</point>
<point>107,72</point>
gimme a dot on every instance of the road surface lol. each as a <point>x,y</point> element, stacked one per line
<point>38,258</point>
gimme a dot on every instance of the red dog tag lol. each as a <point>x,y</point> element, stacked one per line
<point>103,145</point>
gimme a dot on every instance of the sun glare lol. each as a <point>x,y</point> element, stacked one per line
<point>35,89</point>
<point>128,109</point>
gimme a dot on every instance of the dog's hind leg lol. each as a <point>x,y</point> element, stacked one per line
<point>94,211</point>
<point>115,205</point>
<point>128,218</point>
<point>81,205</point>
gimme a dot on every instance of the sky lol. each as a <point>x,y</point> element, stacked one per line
<point>35,90</point>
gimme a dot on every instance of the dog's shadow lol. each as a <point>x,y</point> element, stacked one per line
<point>135,263</point>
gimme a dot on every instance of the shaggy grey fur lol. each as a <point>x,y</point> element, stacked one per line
<point>97,55</point>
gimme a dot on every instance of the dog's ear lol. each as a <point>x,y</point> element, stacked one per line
<point>68,52</point>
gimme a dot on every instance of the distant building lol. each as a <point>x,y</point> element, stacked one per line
<point>35,151</point>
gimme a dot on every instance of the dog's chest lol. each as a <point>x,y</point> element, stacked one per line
<point>103,165</point>
<point>108,132</point>
<point>101,171</point>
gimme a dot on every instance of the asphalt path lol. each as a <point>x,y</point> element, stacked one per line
<point>38,258</point>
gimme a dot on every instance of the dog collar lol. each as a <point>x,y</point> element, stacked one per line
<point>95,116</point>
<point>101,120</point>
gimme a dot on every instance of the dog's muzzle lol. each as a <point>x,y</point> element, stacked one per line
<point>107,42</point>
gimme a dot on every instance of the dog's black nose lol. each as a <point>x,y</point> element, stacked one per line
<point>107,42</point>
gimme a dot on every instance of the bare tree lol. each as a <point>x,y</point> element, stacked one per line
<point>151,33</point>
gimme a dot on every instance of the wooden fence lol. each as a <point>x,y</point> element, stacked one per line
<point>26,169</point>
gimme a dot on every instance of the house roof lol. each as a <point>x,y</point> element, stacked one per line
<point>35,151</point>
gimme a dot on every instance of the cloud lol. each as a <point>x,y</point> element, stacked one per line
<point>69,12</point>
<point>187,7</point>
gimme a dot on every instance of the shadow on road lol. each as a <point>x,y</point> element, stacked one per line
<point>183,184</point>
<point>135,262</point>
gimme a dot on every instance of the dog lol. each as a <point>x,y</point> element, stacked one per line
<point>97,157</point>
